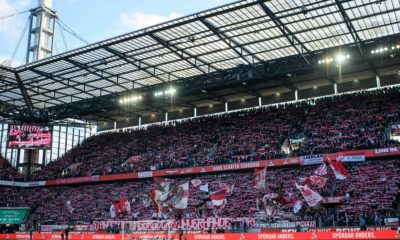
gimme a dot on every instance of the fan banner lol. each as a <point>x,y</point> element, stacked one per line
<point>191,224</point>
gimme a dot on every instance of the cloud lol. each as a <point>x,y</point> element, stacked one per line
<point>139,20</point>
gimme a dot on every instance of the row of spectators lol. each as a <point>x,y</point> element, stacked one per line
<point>7,171</point>
<point>371,194</point>
<point>331,124</point>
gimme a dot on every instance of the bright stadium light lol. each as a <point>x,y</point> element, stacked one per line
<point>171,91</point>
<point>341,58</point>
<point>133,98</point>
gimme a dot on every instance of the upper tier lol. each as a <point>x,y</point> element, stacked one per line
<point>332,124</point>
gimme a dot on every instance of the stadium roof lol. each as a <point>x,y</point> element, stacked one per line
<point>207,44</point>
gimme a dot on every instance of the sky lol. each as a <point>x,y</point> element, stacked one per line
<point>93,20</point>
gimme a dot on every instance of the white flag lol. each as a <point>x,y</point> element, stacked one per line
<point>204,187</point>
<point>113,212</point>
<point>196,182</point>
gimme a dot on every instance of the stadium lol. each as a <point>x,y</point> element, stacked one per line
<point>257,119</point>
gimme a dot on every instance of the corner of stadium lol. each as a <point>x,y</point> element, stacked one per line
<point>258,119</point>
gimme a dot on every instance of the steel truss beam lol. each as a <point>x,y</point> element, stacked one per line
<point>138,65</point>
<point>95,72</point>
<point>27,99</point>
<point>228,41</point>
<point>357,40</point>
<point>63,81</point>
<point>184,55</point>
<point>293,40</point>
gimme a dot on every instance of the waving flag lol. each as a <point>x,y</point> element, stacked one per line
<point>180,196</point>
<point>127,207</point>
<point>69,206</point>
<point>204,188</point>
<point>321,170</point>
<point>312,198</point>
<point>297,206</point>
<point>196,182</point>
<point>338,169</point>
<point>317,180</point>
<point>218,199</point>
<point>270,211</point>
<point>113,211</point>
<point>259,182</point>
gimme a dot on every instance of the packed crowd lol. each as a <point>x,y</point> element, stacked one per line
<point>372,191</point>
<point>7,171</point>
<point>332,124</point>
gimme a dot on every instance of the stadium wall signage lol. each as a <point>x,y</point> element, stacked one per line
<point>226,236</point>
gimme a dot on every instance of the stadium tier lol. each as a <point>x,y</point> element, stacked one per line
<point>326,125</point>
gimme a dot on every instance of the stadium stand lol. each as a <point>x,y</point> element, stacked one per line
<point>371,191</point>
<point>331,124</point>
<point>7,171</point>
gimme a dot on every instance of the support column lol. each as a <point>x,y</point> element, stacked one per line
<point>378,81</point>
<point>29,166</point>
<point>335,88</point>
<point>226,106</point>
<point>166,117</point>
<point>259,102</point>
<point>140,122</point>
<point>195,112</point>
<point>296,95</point>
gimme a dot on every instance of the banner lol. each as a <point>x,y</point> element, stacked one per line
<point>356,158</point>
<point>355,235</point>
<point>334,200</point>
<point>190,224</point>
<point>312,159</point>
<point>391,221</point>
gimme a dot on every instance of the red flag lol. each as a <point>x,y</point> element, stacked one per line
<point>317,180</point>
<point>312,198</point>
<point>116,208</point>
<point>321,170</point>
<point>122,205</point>
<point>218,199</point>
<point>338,169</point>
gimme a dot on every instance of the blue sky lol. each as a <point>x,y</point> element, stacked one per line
<point>94,20</point>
